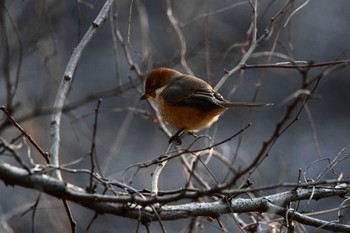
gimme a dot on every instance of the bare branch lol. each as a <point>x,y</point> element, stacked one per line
<point>253,44</point>
<point>32,141</point>
<point>116,204</point>
<point>176,26</point>
<point>66,83</point>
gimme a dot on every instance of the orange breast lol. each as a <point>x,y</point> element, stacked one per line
<point>190,118</point>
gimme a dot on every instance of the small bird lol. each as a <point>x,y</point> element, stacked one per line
<point>185,102</point>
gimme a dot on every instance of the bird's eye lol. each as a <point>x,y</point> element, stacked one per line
<point>153,86</point>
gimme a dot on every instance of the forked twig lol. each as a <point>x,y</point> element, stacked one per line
<point>158,170</point>
<point>253,45</point>
<point>27,135</point>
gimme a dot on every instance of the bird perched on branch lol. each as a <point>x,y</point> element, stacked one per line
<point>185,102</point>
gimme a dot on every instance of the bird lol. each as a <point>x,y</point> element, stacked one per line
<point>186,102</point>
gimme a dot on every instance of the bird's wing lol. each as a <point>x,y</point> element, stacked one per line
<point>191,91</point>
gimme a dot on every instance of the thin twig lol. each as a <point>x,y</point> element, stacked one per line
<point>295,64</point>
<point>218,11</point>
<point>131,63</point>
<point>73,223</point>
<point>112,19</point>
<point>93,146</point>
<point>173,154</point>
<point>253,45</point>
<point>181,37</point>
<point>33,207</point>
<point>27,135</point>
<point>11,88</point>
<point>295,11</point>
<point>119,140</point>
<point>78,103</point>
<point>9,148</point>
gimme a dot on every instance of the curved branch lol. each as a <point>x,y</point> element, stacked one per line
<point>181,37</point>
<point>66,83</point>
<point>253,45</point>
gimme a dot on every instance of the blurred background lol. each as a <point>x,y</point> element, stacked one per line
<point>37,40</point>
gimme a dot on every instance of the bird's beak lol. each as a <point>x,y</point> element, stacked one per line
<point>144,96</point>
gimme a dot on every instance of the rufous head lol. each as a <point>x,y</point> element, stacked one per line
<point>157,80</point>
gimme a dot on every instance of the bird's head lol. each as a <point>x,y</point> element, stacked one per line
<point>157,80</point>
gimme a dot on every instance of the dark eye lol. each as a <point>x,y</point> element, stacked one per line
<point>152,86</point>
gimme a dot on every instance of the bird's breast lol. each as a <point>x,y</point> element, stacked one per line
<point>190,118</point>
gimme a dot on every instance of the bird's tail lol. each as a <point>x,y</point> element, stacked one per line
<point>244,104</point>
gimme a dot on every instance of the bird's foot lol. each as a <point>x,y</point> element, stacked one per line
<point>177,137</point>
<point>193,134</point>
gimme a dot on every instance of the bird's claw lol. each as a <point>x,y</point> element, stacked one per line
<point>175,139</point>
